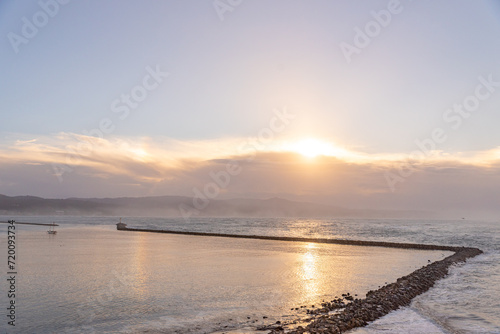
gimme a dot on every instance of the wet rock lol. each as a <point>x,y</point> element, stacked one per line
<point>272,328</point>
<point>380,302</point>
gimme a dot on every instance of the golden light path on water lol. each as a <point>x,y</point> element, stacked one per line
<point>309,271</point>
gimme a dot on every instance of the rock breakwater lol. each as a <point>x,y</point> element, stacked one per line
<point>299,239</point>
<point>384,300</point>
<point>358,312</point>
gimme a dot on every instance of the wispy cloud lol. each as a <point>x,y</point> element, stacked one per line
<point>21,142</point>
<point>161,166</point>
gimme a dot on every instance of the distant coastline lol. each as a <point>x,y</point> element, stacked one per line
<point>170,206</point>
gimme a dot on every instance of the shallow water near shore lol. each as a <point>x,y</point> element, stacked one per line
<point>92,277</point>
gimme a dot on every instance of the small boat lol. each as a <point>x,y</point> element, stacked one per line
<point>52,229</point>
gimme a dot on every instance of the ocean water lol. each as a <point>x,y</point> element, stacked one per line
<point>92,278</point>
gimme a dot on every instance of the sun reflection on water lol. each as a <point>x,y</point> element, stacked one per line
<point>309,271</point>
<point>139,263</point>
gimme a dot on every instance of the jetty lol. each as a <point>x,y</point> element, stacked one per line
<point>357,312</point>
<point>38,224</point>
<point>123,227</point>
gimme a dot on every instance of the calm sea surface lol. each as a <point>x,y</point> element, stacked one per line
<point>91,278</point>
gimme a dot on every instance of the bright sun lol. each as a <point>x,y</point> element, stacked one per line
<point>313,147</point>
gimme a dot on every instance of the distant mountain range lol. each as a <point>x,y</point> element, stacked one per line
<point>178,206</point>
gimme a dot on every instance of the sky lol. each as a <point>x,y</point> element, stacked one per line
<point>365,104</point>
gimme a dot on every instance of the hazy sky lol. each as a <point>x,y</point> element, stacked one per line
<point>311,100</point>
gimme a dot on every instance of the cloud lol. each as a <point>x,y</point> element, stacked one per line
<point>454,183</point>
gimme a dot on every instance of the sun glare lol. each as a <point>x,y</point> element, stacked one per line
<point>313,147</point>
<point>138,153</point>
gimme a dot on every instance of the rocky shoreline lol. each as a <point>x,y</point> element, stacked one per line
<point>354,312</point>
<point>380,302</point>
